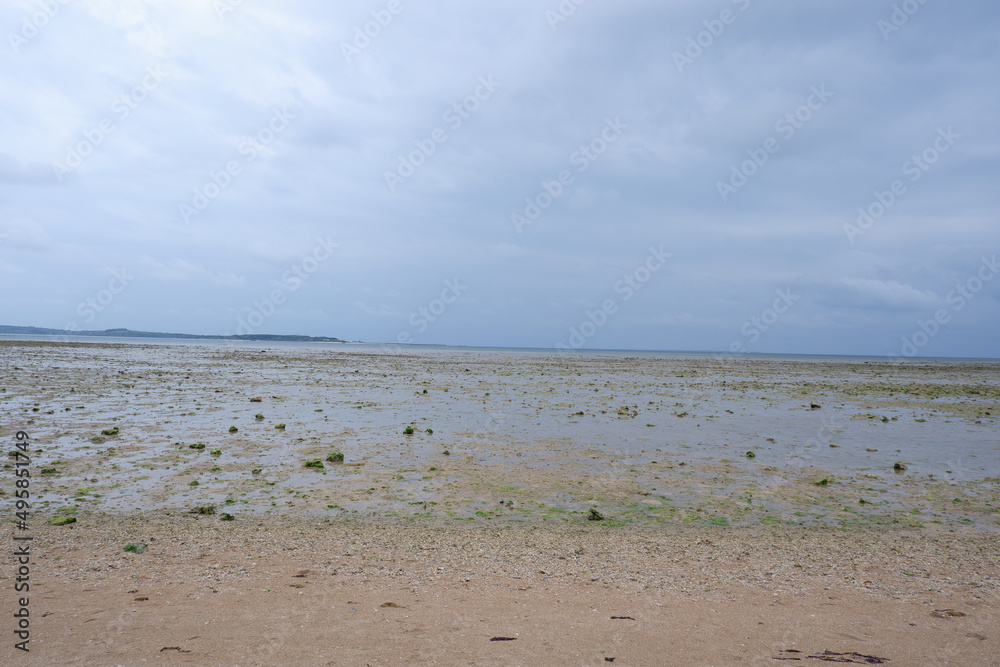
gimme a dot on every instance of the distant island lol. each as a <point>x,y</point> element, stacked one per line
<point>128,333</point>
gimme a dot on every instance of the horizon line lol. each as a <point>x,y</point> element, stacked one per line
<point>729,356</point>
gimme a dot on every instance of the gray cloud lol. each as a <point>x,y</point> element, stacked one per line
<point>170,103</point>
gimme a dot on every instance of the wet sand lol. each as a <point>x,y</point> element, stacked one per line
<point>480,528</point>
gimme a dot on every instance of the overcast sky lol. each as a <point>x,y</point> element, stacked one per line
<point>754,175</point>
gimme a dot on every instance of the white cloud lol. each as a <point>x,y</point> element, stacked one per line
<point>891,294</point>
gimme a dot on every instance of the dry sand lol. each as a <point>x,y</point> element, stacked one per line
<point>291,593</point>
<point>722,560</point>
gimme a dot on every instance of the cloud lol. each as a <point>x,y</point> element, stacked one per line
<point>357,118</point>
<point>177,270</point>
<point>866,293</point>
<point>14,170</point>
<point>24,234</point>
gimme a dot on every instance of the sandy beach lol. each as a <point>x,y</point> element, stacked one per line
<point>546,509</point>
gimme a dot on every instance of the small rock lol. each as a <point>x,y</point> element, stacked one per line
<point>62,520</point>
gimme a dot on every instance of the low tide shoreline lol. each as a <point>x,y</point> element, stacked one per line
<point>470,540</point>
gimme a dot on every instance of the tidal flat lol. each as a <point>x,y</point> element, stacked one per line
<point>465,436</point>
<point>343,504</point>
